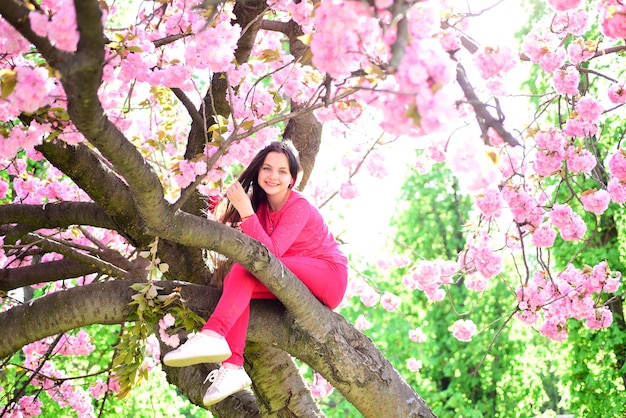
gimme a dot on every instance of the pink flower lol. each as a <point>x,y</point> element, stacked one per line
<point>551,139</point>
<point>543,236</point>
<point>475,282</point>
<point>575,230</point>
<point>589,109</point>
<point>600,318</point>
<point>390,302</point>
<point>320,387</point>
<point>596,201</point>
<point>362,323</point>
<point>563,5</point>
<point>580,50</point>
<point>541,51</point>
<point>414,365</point>
<point>494,62</point>
<point>376,165</point>
<point>617,165</point>
<point>579,160</point>
<point>554,329</point>
<point>348,191</point>
<point>98,389</point>
<point>617,190</point>
<point>369,297</point>
<point>547,163</point>
<point>566,81</point>
<point>4,187</point>
<point>574,22</point>
<point>570,224</point>
<point>30,406</point>
<point>417,335</point>
<point>490,203</point>
<point>464,329</point>
<point>613,18</point>
<point>617,94</point>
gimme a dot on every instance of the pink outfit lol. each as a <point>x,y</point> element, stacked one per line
<point>298,236</point>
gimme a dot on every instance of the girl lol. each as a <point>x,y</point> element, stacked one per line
<point>295,232</point>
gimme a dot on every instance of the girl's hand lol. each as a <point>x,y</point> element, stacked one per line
<point>240,200</point>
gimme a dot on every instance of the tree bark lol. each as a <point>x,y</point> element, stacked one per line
<point>330,345</point>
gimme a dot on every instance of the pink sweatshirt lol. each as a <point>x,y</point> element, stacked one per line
<point>297,229</point>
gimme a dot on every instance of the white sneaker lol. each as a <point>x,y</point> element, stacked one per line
<point>199,348</point>
<point>226,381</point>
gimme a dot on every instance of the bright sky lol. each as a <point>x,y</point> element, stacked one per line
<point>367,217</point>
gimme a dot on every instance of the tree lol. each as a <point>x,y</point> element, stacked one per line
<point>119,134</point>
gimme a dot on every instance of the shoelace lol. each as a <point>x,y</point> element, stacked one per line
<point>212,376</point>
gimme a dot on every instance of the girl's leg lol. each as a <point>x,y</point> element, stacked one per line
<point>232,313</point>
<point>326,280</point>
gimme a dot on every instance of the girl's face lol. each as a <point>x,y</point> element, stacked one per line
<point>274,176</point>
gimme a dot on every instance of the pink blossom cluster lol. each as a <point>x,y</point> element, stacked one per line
<point>544,50</point>
<point>473,163</point>
<point>580,50</point>
<point>584,122</point>
<point>570,225</point>
<point>490,203</point>
<point>613,18</point>
<point>31,92</point>
<point>12,42</point>
<point>368,295</point>
<point>563,5</point>
<point>390,302</point>
<point>430,276</point>
<point>212,48</point>
<point>417,335</point>
<point>494,61</point>
<point>566,80</point>
<point>68,345</point>
<point>362,323</point>
<point>27,406</point>
<point>524,205</point>
<point>543,236</point>
<point>570,21</point>
<point>57,22</point>
<point>189,171</point>
<point>64,392</point>
<point>414,365</point>
<point>464,329</point>
<point>572,294</point>
<point>617,93</point>
<point>166,322</point>
<point>595,201</point>
<point>617,181</point>
<point>346,34</point>
<point>377,164</point>
<point>320,388</point>
<point>479,257</point>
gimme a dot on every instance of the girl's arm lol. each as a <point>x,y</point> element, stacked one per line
<point>294,218</point>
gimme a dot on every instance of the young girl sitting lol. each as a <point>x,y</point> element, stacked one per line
<point>295,232</point>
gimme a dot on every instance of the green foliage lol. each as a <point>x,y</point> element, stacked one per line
<point>149,306</point>
<point>506,370</point>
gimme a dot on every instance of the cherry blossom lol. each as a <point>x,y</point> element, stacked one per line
<point>464,329</point>
<point>596,201</point>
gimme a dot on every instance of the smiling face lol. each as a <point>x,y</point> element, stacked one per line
<point>275,178</point>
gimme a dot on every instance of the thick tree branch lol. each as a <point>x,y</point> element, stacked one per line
<point>325,340</point>
<point>15,278</point>
<point>280,389</point>
<point>56,215</point>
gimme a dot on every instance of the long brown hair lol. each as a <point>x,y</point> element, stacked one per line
<point>226,213</point>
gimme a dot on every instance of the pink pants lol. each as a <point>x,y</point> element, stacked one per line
<point>325,279</point>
